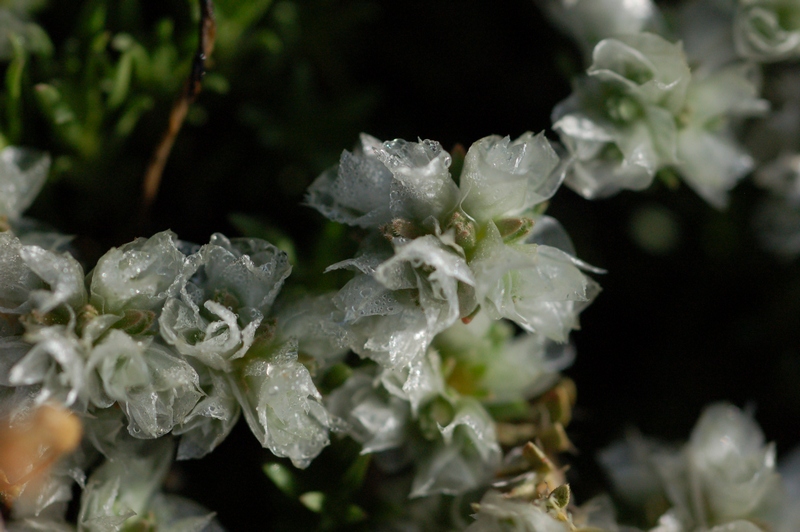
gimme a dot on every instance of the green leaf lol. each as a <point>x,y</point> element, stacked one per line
<point>283,477</point>
<point>313,500</point>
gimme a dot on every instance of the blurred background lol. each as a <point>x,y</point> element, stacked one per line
<point>692,309</point>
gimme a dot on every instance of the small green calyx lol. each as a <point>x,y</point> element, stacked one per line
<point>514,229</point>
<point>560,496</point>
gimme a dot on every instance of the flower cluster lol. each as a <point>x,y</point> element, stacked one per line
<point>161,337</point>
<point>440,261</point>
<point>650,105</point>
<point>724,478</point>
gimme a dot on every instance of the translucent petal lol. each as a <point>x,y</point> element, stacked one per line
<point>767,30</point>
<point>422,186</point>
<point>211,419</point>
<point>645,66</point>
<point>316,323</point>
<point>281,404</point>
<point>23,171</point>
<point>357,191</point>
<point>465,458</point>
<point>56,361</point>
<point>734,467</point>
<point>215,343</point>
<point>435,270</point>
<point>251,269</point>
<point>31,277</point>
<point>170,396</point>
<point>418,382</point>
<point>120,489</point>
<point>178,514</point>
<point>139,275</point>
<point>506,178</point>
<point>377,420</point>
<point>589,21</point>
<point>542,292</point>
<point>712,164</point>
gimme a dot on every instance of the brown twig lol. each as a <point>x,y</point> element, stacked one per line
<point>192,87</point>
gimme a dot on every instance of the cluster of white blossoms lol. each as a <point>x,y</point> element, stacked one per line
<point>668,93</point>
<point>442,260</point>
<point>160,338</point>
<point>164,344</point>
<point>459,309</point>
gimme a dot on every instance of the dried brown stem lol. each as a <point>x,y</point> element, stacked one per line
<point>192,87</point>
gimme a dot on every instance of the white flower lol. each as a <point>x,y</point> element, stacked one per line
<point>465,457</point>
<point>768,30</point>
<point>377,420</point>
<point>222,305</point>
<point>619,125</point>
<point>139,275</point>
<point>211,419</point>
<point>503,178</point>
<point>357,191</point>
<point>539,287</point>
<point>422,186</point>
<point>155,388</point>
<point>711,161</point>
<point>281,404</point>
<point>33,278</point>
<point>732,472</point>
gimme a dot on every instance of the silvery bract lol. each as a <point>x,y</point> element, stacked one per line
<point>619,125</point>
<point>538,287</point>
<point>768,30</point>
<point>711,161</point>
<point>281,404</point>
<point>211,419</point>
<point>122,493</point>
<point>503,178</point>
<point>33,278</point>
<point>733,472</point>
<point>316,323</point>
<point>357,191</point>
<point>139,275</point>
<point>155,388</point>
<point>220,308</point>
<point>376,419</point>
<point>422,187</point>
<point>465,457</point>
<point>433,270</point>
<point>379,182</point>
<point>590,21</point>
<point>22,173</point>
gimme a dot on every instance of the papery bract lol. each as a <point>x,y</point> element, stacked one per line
<point>357,191</point>
<point>538,287</point>
<point>139,275</point>
<point>502,177</point>
<point>23,171</point>
<point>281,404</point>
